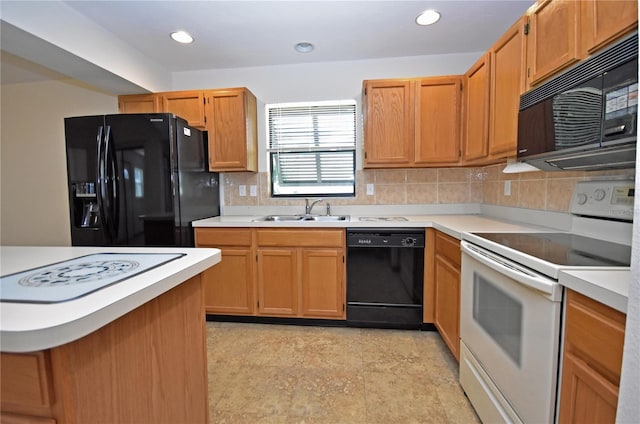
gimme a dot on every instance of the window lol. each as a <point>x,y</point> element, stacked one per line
<point>138,180</point>
<point>312,148</point>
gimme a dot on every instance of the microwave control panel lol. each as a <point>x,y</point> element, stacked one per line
<point>605,199</point>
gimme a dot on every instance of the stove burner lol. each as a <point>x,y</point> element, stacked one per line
<point>78,273</point>
<point>383,218</point>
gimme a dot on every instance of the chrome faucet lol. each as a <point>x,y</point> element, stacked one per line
<point>309,207</point>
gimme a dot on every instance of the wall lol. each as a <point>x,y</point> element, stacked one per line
<point>33,175</point>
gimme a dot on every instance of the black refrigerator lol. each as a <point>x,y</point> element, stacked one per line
<point>137,180</point>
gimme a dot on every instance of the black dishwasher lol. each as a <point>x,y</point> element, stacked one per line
<point>385,272</point>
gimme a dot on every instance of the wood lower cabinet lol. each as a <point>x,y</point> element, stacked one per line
<point>229,287</point>
<point>148,366</point>
<point>301,273</point>
<point>591,361</point>
<point>278,281</point>
<point>442,285</point>
<point>276,272</point>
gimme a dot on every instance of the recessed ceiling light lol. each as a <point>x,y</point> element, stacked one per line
<point>428,17</point>
<point>182,37</point>
<point>304,47</point>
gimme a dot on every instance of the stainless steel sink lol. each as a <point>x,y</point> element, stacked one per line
<point>326,218</point>
<point>301,218</point>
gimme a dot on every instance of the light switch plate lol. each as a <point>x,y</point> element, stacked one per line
<point>242,190</point>
<point>253,190</point>
<point>507,188</point>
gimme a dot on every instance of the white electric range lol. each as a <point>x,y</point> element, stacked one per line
<point>511,304</point>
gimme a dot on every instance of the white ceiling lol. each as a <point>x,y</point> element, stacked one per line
<point>233,34</point>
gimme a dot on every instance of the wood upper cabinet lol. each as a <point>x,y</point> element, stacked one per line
<point>603,21</point>
<point>388,123</point>
<point>232,127</point>
<point>445,287</point>
<point>301,273</point>
<point>140,103</point>
<point>553,38</point>
<point>412,122</point>
<point>189,105</point>
<point>437,120</point>
<point>229,287</point>
<point>591,361</point>
<point>508,70</point>
<point>477,85</point>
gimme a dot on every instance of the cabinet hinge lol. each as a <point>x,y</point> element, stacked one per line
<point>526,28</point>
<point>365,155</point>
<point>342,258</point>
<point>460,153</point>
<point>528,72</point>
<point>461,86</point>
<point>365,91</point>
<point>343,307</point>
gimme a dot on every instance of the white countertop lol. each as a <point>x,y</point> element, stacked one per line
<point>453,225</point>
<point>26,327</point>
<point>610,287</point>
<point>606,286</point>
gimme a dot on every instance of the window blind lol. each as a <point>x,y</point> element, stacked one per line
<point>312,148</point>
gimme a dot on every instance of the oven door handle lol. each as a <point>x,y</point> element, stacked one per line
<point>512,270</point>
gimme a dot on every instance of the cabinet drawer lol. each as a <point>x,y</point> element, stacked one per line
<point>595,333</point>
<point>26,379</point>
<point>301,238</point>
<point>448,247</point>
<point>6,418</point>
<point>215,237</point>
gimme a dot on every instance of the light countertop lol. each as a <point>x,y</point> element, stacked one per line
<point>608,286</point>
<point>28,327</point>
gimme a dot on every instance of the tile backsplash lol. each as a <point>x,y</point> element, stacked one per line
<point>550,191</point>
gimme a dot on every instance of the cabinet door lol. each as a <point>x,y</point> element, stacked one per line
<point>232,130</point>
<point>476,116</point>
<point>140,103</point>
<point>447,290</point>
<point>278,282</point>
<point>228,286</point>
<point>553,38</point>
<point>605,20</point>
<point>508,68</point>
<point>437,121</point>
<point>323,294</point>
<point>388,123</point>
<point>188,105</point>
<point>586,397</point>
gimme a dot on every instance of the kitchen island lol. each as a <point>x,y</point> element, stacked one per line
<point>132,351</point>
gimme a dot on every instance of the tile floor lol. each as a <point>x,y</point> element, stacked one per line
<point>261,373</point>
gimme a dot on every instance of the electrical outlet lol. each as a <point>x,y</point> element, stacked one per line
<point>242,190</point>
<point>507,188</point>
<point>253,190</point>
<point>370,190</point>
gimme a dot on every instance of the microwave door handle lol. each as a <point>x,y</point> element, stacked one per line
<point>513,271</point>
<point>618,129</point>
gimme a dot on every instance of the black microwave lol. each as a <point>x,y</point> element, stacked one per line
<point>586,118</point>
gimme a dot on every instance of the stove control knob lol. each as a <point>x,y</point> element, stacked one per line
<point>599,194</point>
<point>581,198</point>
<point>408,242</point>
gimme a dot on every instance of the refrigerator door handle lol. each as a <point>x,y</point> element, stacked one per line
<point>101,189</point>
<point>111,166</point>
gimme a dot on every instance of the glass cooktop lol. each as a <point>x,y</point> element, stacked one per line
<point>77,277</point>
<point>565,249</point>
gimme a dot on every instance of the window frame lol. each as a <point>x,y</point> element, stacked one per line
<point>306,147</point>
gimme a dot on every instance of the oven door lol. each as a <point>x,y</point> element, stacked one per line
<point>509,328</point>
